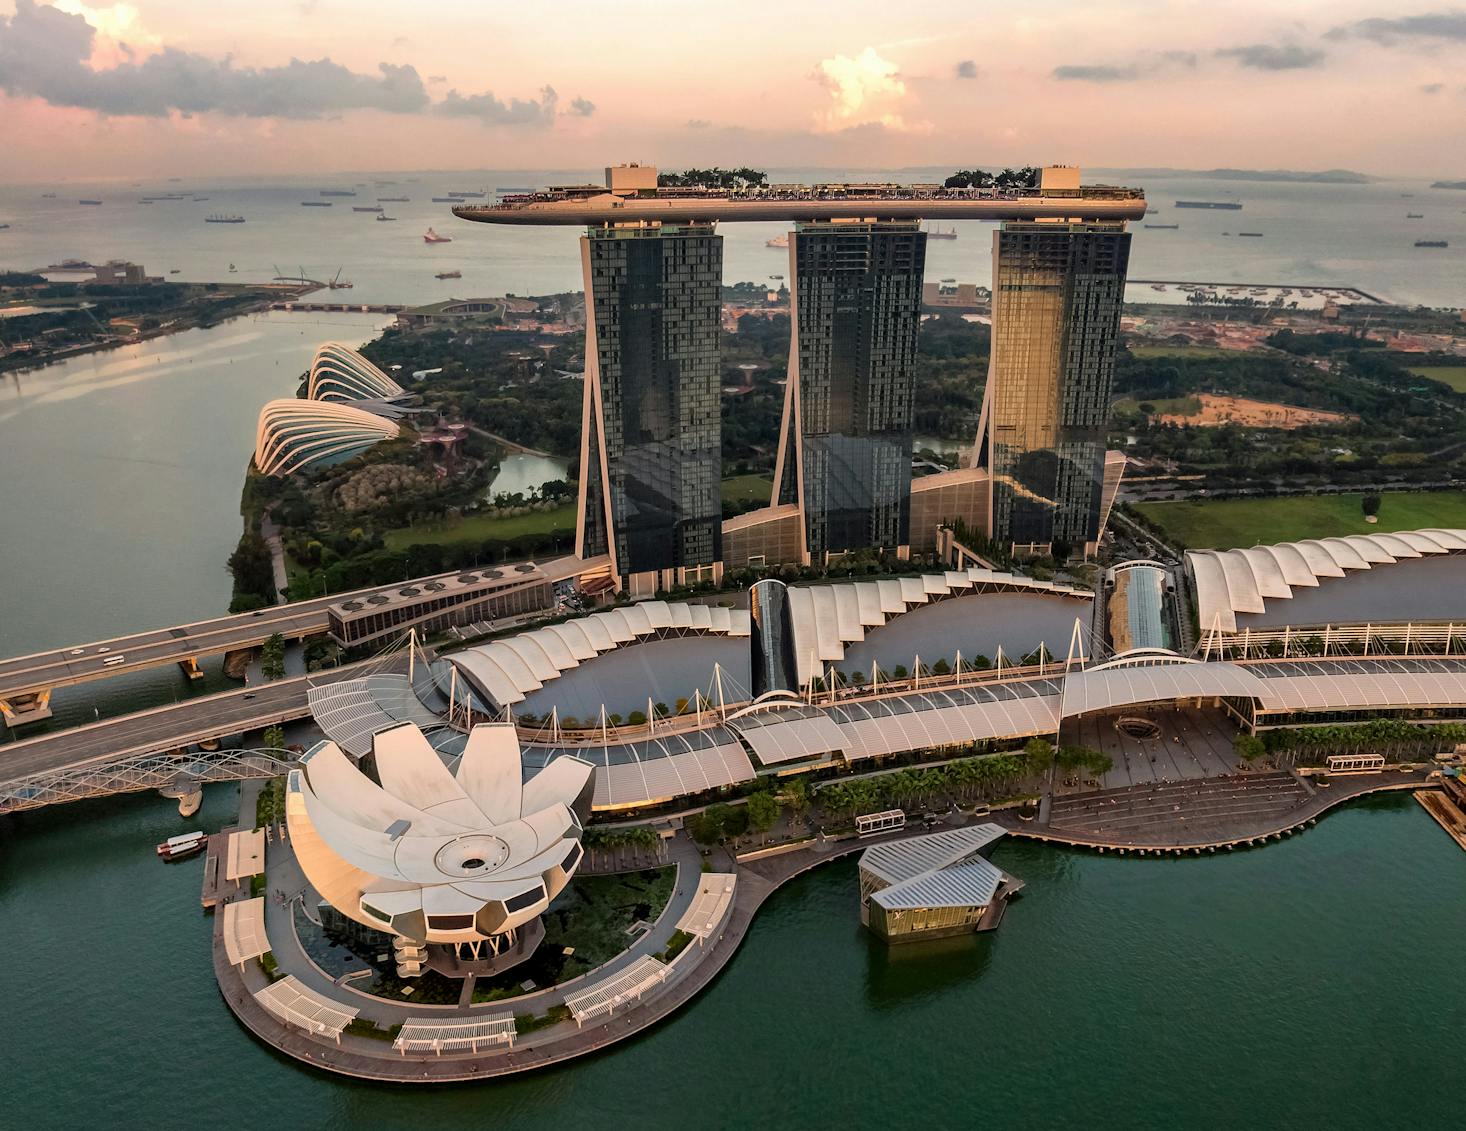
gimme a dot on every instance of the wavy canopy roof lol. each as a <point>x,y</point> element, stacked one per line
<point>340,373</point>
<point>1229,582</point>
<point>432,854</point>
<point>293,434</point>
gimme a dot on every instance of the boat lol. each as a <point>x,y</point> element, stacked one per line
<point>338,192</point>
<point>445,200</point>
<point>384,216</point>
<point>89,202</point>
<point>1418,243</point>
<point>221,218</point>
<point>3,227</point>
<point>431,236</point>
<point>186,844</point>
<point>1158,286</point>
<point>48,196</point>
<point>366,207</point>
<point>1164,227</point>
<point>315,204</point>
<point>941,234</point>
<point>1254,235</point>
<point>449,275</point>
<point>232,269</point>
<point>1415,215</point>
<point>1226,205</point>
<point>467,195</point>
<point>393,199</point>
<point>338,283</point>
<point>173,271</point>
<point>199,198</point>
<point>779,241</point>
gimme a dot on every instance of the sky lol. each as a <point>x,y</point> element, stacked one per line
<point>92,91</point>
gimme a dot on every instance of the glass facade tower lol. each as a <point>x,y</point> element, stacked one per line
<point>1057,294</point>
<point>651,456</point>
<point>845,452</point>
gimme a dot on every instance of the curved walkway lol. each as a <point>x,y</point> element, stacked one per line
<point>695,969</point>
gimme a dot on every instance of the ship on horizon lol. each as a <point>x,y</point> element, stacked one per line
<point>338,192</point>
<point>1226,205</point>
<point>219,218</point>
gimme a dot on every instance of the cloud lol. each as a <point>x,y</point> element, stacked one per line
<point>1449,25</point>
<point>1433,88</point>
<point>863,90</point>
<point>581,107</point>
<point>1268,57</point>
<point>967,69</point>
<point>50,54</point>
<point>1096,72</point>
<point>493,111</point>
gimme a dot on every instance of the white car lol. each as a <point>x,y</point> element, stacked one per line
<point>104,648</point>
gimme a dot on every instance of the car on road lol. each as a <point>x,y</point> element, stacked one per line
<point>104,648</point>
<point>251,695</point>
<point>77,651</point>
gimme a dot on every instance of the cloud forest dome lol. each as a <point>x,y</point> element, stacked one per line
<point>434,855</point>
<point>340,373</point>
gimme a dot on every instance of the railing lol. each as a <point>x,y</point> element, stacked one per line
<point>133,775</point>
<point>1335,641</point>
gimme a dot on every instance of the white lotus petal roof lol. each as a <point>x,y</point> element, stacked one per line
<point>431,853</point>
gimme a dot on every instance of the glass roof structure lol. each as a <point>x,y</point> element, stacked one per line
<point>1137,608</point>
<point>1233,582</point>
<point>340,373</point>
<point>658,768</point>
<point>950,717</point>
<point>1362,684</point>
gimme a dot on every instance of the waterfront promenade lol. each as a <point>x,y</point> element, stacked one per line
<point>1249,819</point>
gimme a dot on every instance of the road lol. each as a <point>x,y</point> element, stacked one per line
<point>179,724</point>
<point>62,667</point>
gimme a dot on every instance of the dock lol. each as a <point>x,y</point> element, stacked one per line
<point>338,307</point>
<point>1448,806</point>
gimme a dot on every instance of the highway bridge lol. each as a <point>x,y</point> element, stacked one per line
<point>144,750</point>
<point>26,682</point>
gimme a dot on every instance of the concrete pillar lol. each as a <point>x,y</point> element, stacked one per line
<point>32,707</point>
<point>190,668</point>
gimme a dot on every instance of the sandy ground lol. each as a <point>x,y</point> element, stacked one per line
<point>1217,410</point>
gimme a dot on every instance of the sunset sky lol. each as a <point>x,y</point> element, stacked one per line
<point>176,87</point>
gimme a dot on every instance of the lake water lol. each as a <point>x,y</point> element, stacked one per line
<point>1307,984</point>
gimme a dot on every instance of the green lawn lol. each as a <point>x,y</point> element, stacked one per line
<point>748,488</point>
<point>1163,406</point>
<point>1452,375</point>
<point>1223,524</point>
<point>480,528</point>
<point>1183,351</point>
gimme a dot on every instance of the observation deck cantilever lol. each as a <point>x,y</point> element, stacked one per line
<point>552,208</point>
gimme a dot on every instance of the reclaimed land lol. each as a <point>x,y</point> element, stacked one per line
<point>1222,524</point>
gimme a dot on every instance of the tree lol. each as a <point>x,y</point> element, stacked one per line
<point>1038,755</point>
<point>274,738</point>
<point>272,657</point>
<point>763,810</point>
<point>1249,747</point>
<point>1370,504</point>
<point>796,796</point>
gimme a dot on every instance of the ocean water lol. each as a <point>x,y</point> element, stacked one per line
<point>1353,235</point>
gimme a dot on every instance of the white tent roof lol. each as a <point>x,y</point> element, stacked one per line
<point>295,1003</point>
<point>710,905</point>
<point>1100,689</point>
<point>244,930</point>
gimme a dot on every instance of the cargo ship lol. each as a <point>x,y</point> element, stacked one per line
<point>445,200</point>
<point>221,219</point>
<point>1164,227</point>
<point>366,208</point>
<point>315,204</point>
<point>1431,243</point>
<point>383,217</point>
<point>393,199</point>
<point>431,236</point>
<point>1254,235</point>
<point>467,195</point>
<point>449,275</point>
<point>1415,215</point>
<point>338,192</point>
<point>177,847</point>
<point>89,202</point>
<point>1226,205</point>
